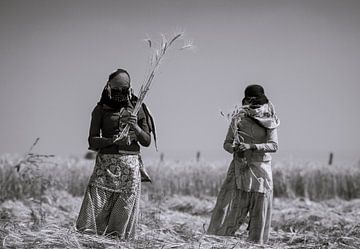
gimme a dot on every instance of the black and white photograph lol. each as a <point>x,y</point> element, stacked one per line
<point>179,124</point>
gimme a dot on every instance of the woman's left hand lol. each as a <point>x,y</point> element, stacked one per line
<point>132,121</point>
<point>244,146</point>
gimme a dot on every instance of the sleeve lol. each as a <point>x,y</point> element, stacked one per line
<point>271,144</point>
<point>96,141</point>
<point>229,139</point>
<point>143,137</point>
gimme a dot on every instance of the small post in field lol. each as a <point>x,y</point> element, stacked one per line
<point>161,157</point>
<point>331,158</point>
<point>198,156</point>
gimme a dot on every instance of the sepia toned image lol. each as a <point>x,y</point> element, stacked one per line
<point>179,124</point>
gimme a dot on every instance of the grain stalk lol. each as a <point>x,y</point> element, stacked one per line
<point>234,118</point>
<point>31,158</point>
<point>157,58</point>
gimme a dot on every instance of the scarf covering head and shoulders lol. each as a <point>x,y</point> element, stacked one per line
<point>257,106</point>
<point>264,115</point>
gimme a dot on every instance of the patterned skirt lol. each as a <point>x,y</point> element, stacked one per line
<point>111,202</point>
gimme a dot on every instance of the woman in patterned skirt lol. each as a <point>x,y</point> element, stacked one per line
<point>248,187</point>
<point>111,202</point>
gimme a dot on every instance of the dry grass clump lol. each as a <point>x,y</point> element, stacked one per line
<point>331,224</point>
<point>38,209</point>
<point>180,222</point>
<point>33,180</point>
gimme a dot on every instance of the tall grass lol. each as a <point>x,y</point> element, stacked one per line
<point>309,180</point>
<point>317,181</point>
<point>33,180</point>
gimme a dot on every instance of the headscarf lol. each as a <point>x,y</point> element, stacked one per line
<point>255,95</point>
<point>259,108</point>
<point>264,115</point>
<point>125,78</point>
<point>110,96</point>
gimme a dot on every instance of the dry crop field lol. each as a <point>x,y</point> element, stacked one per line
<point>315,206</point>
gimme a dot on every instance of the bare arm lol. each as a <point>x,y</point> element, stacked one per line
<point>142,134</point>
<point>140,127</point>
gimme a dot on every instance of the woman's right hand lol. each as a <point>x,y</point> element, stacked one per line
<point>235,147</point>
<point>115,140</point>
<point>244,146</point>
<point>124,140</point>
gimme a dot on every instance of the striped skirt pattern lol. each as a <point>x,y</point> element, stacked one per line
<point>233,205</point>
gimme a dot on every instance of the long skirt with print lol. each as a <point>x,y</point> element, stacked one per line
<point>111,202</point>
<point>233,204</point>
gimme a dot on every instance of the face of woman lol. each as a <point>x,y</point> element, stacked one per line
<point>120,88</point>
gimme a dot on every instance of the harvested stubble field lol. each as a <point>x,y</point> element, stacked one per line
<point>315,206</point>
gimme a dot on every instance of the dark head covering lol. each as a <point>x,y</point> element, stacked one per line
<point>106,95</point>
<point>255,95</point>
<point>117,72</point>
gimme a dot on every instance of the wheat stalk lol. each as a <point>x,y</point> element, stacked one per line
<point>233,117</point>
<point>31,158</point>
<point>156,59</point>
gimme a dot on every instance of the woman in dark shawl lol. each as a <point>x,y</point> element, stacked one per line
<point>111,202</point>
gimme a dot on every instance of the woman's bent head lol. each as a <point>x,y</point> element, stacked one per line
<point>255,96</point>
<point>117,91</point>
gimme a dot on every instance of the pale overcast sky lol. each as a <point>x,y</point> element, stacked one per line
<point>55,57</point>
